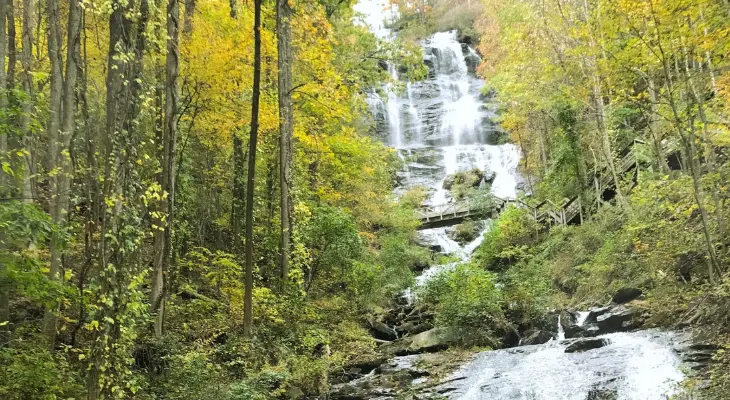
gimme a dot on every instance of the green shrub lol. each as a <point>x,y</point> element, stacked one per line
<point>508,240</point>
<point>467,298</point>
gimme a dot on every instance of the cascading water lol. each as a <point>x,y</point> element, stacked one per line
<point>634,366</point>
<point>443,125</point>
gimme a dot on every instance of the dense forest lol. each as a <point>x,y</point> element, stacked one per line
<point>195,203</point>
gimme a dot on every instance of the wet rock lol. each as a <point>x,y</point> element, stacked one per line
<point>413,327</point>
<point>380,330</point>
<point>594,313</point>
<point>536,337</point>
<point>471,178</point>
<point>364,366</point>
<point>617,319</point>
<point>696,356</point>
<point>419,265</point>
<point>568,318</point>
<point>465,232</point>
<point>602,394</point>
<point>625,295</point>
<point>583,331</point>
<point>585,344</point>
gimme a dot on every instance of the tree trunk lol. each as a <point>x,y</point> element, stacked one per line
<point>661,159</point>
<point>250,186</point>
<point>167,177</point>
<point>4,178</point>
<point>605,139</point>
<point>12,50</point>
<point>27,109</point>
<point>234,8</point>
<point>115,260</point>
<point>189,17</point>
<point>286,129</point>
<point>55,153</point>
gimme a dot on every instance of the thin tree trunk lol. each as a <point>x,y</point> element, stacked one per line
<point>189,17</point>
<point>234,8</point>
<point>4,178</point>
<point>27,109</point>
<point>605,139</point>
<point>286,129</point>
<point>168,163</point>
<point>4,126</point>
<point>12,49</point>
<point>55,153</point>
<point>250,186</point>
<point>661,159</point>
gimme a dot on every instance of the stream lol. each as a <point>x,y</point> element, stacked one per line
<point>443,125</point>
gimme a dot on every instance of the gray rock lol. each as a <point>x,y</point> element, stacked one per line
<point>586,330</point>
<point>593,314</point>
<point>617,319</point>
<point>536,337</point>
<point>380,330</point>
<point>602,394</point>
<point>585,344</point>
<point>432,340</point>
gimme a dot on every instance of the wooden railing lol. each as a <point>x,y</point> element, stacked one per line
<point>570,211</point>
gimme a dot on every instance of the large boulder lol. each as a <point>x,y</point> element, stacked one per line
<point>594,313</point>
<point>617,319</point>
<point>380,330</point>
<point>609,319</point>
<point>627,294</point>
<point>432,340</point>
<point>585,344</point>
<point>536,336</point>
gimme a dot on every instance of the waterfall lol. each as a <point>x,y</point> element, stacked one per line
<point>561,331</point>
<point>444,125</point>
<point>440,126</point>
<point>582,316</point>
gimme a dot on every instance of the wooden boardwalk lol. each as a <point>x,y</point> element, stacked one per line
<point>570,211</point>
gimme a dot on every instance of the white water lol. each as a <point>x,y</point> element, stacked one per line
<point>561,331</point>
<point>635,366</point>
<point>582,315</point>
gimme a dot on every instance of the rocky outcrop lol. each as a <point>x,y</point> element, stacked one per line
<point>471,178</point>
<point>465,232</point>
<point>409,377</point>
<point>585,344</point>
<point>603,320</point>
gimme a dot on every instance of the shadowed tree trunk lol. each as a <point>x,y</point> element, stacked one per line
<point>250,185</point>
<point>163,238</point>
<point>286,129</point>
<point>27,109</point>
